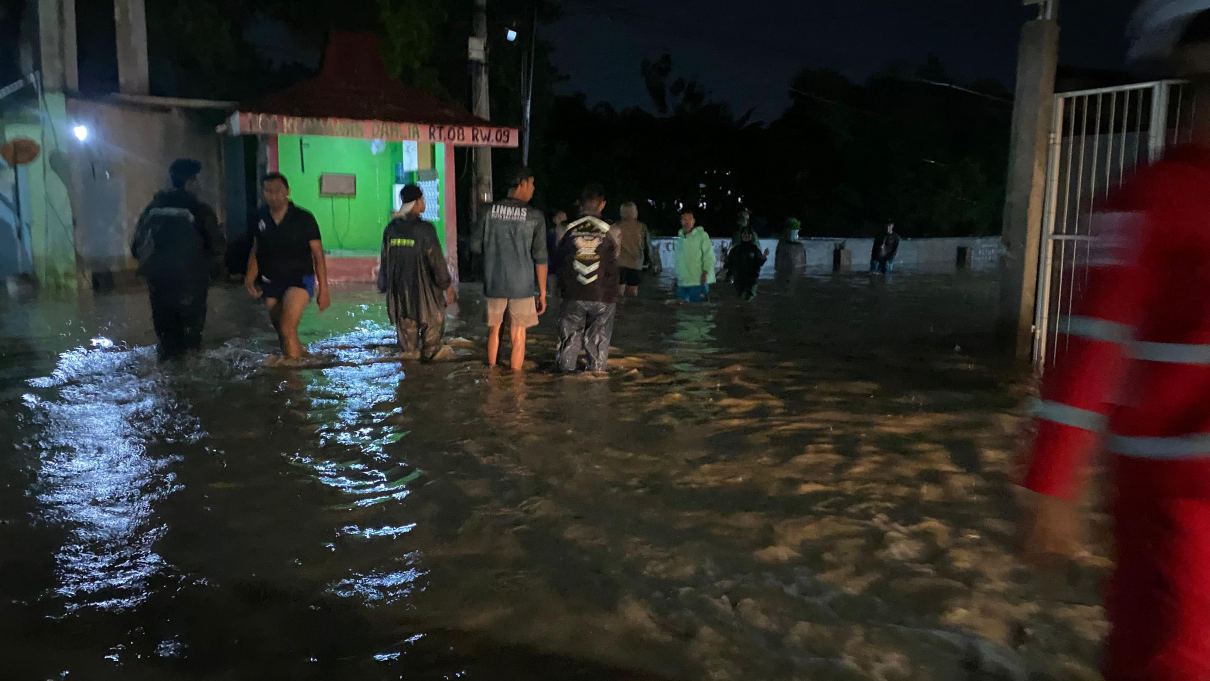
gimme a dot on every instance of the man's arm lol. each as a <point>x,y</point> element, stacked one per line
<point>216,241</point>
<point>707,259</point>
<point>321,274</point>
<point>441,271</point>
<point>251,273</point>
<point>140,233</point>
<point>538,251</point>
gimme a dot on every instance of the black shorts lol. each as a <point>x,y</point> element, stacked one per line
<point>629,277</point>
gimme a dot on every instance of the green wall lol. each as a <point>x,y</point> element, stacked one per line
<point>346,224</point>
<point>353,223</point>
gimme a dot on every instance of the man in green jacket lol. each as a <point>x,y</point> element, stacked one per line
<point>694,260</point>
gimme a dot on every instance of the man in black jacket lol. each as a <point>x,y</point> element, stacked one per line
<point>886,245</point>
<point>413,274</point>
<point>588,283</point>
<point>177,243</point>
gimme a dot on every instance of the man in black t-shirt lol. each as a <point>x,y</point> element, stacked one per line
<point>286,266</point>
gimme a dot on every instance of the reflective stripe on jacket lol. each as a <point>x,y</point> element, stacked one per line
<point>1132,377</point>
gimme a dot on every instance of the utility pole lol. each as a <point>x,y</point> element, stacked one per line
<point>527,73</point>
<point>58,58</point>
<point>481,98</point>
<point>130,21</point>
<point>1033,110</point>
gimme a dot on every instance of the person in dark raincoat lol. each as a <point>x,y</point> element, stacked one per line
<point>178,242</point>
<point>744,262</point>
<point>413,275</point>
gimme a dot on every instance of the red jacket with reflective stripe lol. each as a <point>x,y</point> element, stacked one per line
<point>1133,373</point>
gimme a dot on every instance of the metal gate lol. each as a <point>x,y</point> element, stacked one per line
<point>1097,138</point>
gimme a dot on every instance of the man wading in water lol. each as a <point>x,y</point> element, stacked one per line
<point>511,236</point>
<point>177,242</point>
<point>287,260</point>
<point>413,274</point>
<point>588,284</point>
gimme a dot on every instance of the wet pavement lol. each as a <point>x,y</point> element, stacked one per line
<point>813,485</point>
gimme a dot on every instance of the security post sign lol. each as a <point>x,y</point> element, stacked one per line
<point>247,123</point>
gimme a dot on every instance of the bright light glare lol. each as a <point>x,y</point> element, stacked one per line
<point>81,132</point>
<point>511,35</point>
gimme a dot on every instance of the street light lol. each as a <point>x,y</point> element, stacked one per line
<point>527,81</point>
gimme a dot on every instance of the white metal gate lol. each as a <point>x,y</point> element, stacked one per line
<point>1097,138</point>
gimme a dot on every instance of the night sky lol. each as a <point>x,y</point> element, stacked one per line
<point>746,52</point>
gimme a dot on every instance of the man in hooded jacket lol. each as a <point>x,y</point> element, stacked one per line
<point>178,242</point>
<point>588,284</point>
<point>413,275</point>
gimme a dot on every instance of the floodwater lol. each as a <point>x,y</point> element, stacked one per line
<point>814,485</point>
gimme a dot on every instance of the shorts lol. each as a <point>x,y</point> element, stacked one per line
<point>277,289</point>
<point>630,277</point>
<point>693,294</point>
<point>523,312</point>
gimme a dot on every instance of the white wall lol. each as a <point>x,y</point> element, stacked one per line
<point>931,254</point>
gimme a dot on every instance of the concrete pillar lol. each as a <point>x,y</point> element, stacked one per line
<point>58,54</point>
<point>450,203</point>
<point>842,260</point>
<point>966,258</point>
<point>130,19</point>
<point>1032,116</point>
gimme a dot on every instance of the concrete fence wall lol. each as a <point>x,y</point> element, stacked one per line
<point>930,254</point>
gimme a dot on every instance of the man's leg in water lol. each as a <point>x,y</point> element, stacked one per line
<point>164,317</point>
<point>273,305</point>
<point>408,333</point>
<point>193,319</point>
<point>430,336</point>
<point>517,338</point>
<point>571,335</point>
<point>632,291</point>
<point>493,344</point>
<point>599,335</point>
<point>290,311</point>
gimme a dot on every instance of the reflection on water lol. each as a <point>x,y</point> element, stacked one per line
<point>810,485</point>
<point>97,481</point>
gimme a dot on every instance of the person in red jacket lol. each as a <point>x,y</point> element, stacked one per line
<point>1134,383</point>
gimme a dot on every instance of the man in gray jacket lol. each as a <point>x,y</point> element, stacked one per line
<point>511,238</point>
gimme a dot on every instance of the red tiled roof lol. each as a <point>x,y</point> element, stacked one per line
<point>354,84</point>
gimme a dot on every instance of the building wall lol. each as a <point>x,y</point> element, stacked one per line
<point>14,238</point>
<point>348,223</point>
<point>926,254</point>
<point>46,208</point>
<point>118,170</point>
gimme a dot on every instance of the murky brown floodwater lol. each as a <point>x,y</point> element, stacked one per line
<point>811,486</point>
